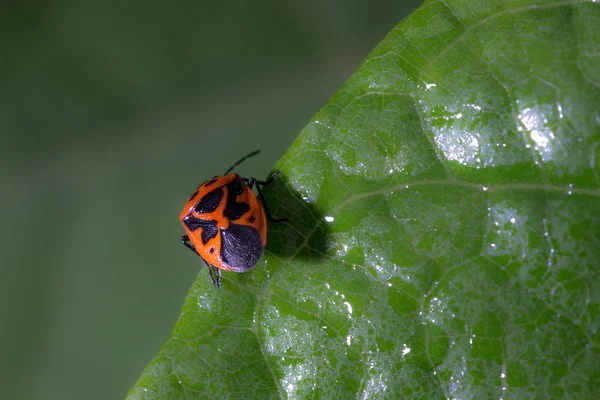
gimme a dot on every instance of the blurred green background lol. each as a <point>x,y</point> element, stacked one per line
<point>110,113</point>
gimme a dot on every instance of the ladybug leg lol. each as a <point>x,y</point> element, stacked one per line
<point>269,216</point>
<point>185,240</point>
<point>216,277</point>
<point>217,281</point>
<point>251,182</point>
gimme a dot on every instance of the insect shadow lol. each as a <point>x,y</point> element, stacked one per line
<point>304,235</point>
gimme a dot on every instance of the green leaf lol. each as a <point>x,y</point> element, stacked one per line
<point>444,227</point>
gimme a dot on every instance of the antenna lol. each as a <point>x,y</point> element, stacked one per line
<point>241,160</point>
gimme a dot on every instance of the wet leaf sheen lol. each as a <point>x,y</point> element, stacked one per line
<point>444,227</point>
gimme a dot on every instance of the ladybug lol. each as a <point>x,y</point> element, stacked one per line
<point>226,225</point>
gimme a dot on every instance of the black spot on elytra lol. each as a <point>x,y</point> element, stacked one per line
<point>209,202</point>
<point>210,182</point>
<point>211,250</point>
<point>193,196</point>
<point>251,219</point>
<point>209,228</point>
<point>233,209</point>
<point>241,247</point>
<point>236,187</point>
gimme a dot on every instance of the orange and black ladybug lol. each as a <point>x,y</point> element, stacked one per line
<point>225,223</point>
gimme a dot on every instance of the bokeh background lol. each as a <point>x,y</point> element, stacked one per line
<point>111,112</point>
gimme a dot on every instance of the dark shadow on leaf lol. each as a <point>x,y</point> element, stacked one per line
<point>303,236</point>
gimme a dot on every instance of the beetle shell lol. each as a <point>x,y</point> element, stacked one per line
<point>226,223</point>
